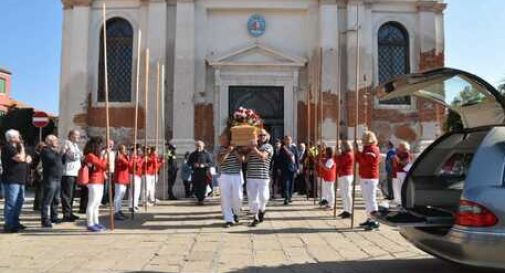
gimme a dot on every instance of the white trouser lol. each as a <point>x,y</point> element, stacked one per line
<point>230,186</point>
<point>151,188</point>
<point>397,187</point>
<point>258,192</point>
<point>369,191</point>
<point>95,194</point>
<point>118,196</point>
<point>137,180</point>
<point>345,186</point>
<point>328,192</point>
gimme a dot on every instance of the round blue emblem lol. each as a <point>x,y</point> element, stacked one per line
<point>256,25</point>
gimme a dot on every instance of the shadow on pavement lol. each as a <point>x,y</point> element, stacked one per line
<point>366,266</point>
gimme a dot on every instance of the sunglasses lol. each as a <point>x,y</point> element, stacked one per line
<point>262,135</point>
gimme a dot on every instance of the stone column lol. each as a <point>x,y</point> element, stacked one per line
<point>328,13</point>
<point>184,76</point>
<point>156,35</point>
<point>74,89</point>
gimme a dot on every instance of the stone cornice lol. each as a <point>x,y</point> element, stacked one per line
<point>431,6</point>
<point>67,4</point>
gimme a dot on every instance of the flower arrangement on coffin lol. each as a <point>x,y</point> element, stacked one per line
<point>244,125</point>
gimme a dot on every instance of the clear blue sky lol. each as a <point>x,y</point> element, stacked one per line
<point>30,46</point>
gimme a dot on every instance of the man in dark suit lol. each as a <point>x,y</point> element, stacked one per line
<point>288,163</point>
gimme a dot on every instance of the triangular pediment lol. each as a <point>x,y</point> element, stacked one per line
<point>256,54</point>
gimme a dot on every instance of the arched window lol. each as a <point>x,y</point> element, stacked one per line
<point>119,61</point>
<point>393,54</point>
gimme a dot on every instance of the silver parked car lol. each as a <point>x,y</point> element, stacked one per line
<point>453,199</point>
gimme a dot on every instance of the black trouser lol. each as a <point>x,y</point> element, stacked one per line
<point>288,179</point>
<point>199,188</point>
<point>106,185</point>
<point>83,202</point>
<point>37,200</point>
<point>67,195</point>
<point>389,185</point>
<point>50,200</point>
<point>187,188</point>
<point>171,182</point>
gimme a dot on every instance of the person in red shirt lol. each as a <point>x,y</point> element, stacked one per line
<point>97,170</point>
<point>401,161</point>
<point>345,173</point>
<point>327,170</point>
<point>151,170</point>
<point>136,167</point>
<point>368,161</point>
<point>121,181</point>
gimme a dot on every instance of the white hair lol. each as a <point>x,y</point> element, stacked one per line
<point>405,145</point>
<point>10,134</point>
<point>50,138</point>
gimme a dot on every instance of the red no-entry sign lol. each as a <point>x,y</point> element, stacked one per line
<point>40,119</point>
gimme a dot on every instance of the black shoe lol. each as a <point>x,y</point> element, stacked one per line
<point>261,216</point>
<point>21,227</point>
<point>228,224</point>
<point>365,224</point>
<point>68,219</point>
<point>200,203</point>
<point>123,215</point>
<point>235,218</point>
<point>286,202</point>
<point>11,230</point>
<point>254,223</point>
<point>118,217</point>
<point>47,225</point>
<point>56,221</point>
<point>75,217</point>
<point>345,215</point>
<point>172,198</point>
<point>372,225</point>
<point>290,201</point>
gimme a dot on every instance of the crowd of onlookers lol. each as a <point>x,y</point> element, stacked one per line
<point>262,171</point>
<point>58,170</point>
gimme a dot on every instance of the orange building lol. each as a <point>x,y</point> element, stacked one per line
<point>5,91</point>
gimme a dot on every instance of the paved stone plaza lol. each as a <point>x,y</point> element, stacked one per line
<point>181,237</point>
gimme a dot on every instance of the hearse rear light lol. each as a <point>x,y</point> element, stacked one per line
<point>471,214</point>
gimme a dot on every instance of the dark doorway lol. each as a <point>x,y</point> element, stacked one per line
<point>267,101</point>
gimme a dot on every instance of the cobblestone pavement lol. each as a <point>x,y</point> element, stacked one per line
<point>178,236</point>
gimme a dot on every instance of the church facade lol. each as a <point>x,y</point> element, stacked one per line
<point>270,55</point>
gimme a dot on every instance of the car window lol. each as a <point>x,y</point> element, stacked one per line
<point>456,165</point>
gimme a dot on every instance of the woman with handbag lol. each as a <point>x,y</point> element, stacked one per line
<point>97,170</point>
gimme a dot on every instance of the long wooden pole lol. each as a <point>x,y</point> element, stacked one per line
<point>107,120</point>
<point>307,177</point>
<point>316,155</point>
<point>356,116</point>
<point>337,126</point>
<point>157,120</point>
<point>146,101</point>
<point>165,187</point>
<point>320,120</point>
<point>135,129</point>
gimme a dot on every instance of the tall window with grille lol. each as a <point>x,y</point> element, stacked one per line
<point>393,40</point>
<point>119,61</point>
